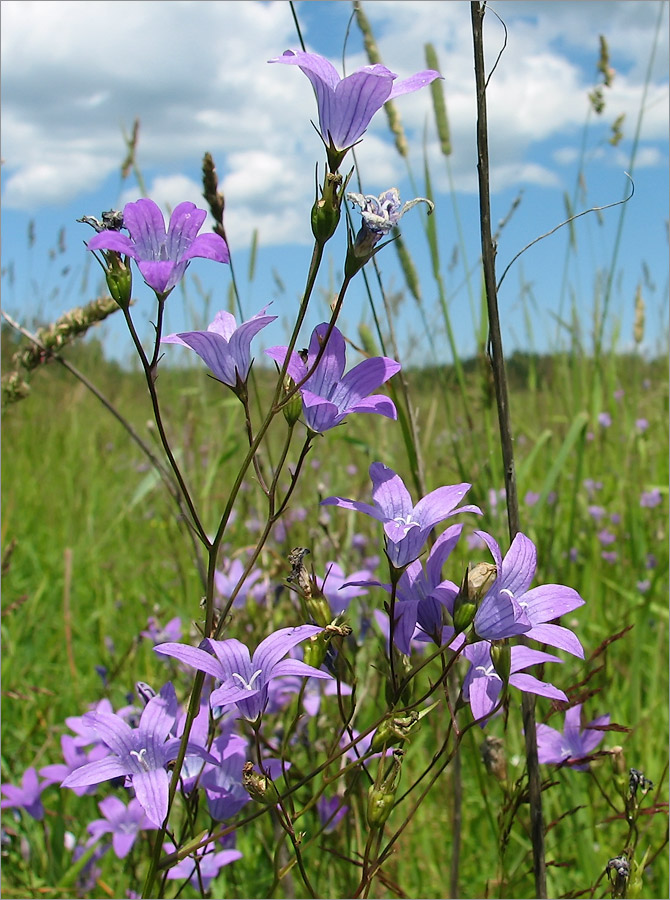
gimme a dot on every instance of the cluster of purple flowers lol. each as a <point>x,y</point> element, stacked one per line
<point>136,750</point>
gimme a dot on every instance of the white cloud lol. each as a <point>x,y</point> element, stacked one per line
<point>195,73</point>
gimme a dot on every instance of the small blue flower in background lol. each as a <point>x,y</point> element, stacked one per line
<point>141,754</point>
<point>202,867</point>
<point>123,822</point>
<point>572,744</point>
<point>224,347</point>
<point>162,256</point>
<point>28,796</point>
<point>328,395</point>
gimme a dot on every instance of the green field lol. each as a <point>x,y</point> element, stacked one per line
<point>92,548</point>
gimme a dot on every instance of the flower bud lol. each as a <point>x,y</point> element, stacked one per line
<point>326,209</point>
<point>476,582</point>
<point>259,787</point>
<point>119,277</point>
<point>382,797</point>
<point>293,409</point>
<point>501,657</point>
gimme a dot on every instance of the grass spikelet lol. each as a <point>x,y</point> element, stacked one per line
<point>638,324</point>
<point>392,114</point>
<point>439,105</point>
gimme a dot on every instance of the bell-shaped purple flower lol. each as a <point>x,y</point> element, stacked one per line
<point>223,783</point>
<point>245,678</point>
<point>328,395</point>
<point>509,608</point>
<point>346,105</point>
<point>162,256</point>
<point>224,347</point>
<point>482,685</point>
<point>28,796</point>
<point>124,823</point>
<point>406,527</point>
<point>572,744</point>
<point>141,754</point>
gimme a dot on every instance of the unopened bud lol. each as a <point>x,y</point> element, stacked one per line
<point>326,209</point>
<point>259,787</point>
<point>382,797</point>
<point>119,277</point>
<point>293,409</point>
<point>501,657</point>
<point>476,582</point>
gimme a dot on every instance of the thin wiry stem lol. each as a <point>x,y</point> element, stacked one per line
<point>498,368</point>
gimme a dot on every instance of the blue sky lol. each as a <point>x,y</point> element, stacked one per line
<point>196,75</point>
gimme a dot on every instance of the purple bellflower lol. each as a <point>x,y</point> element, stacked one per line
<point>159,635</point>
<point>123,822</point>
<point>227,579</point>
<point>162,256</point>
<point>482,684</point>
<point>224,347</point>
<point>421,595</point>
<point>509,608</point>
<point>75,757</point>
<point>28,796</point>
<point>406,527</point>
<point>141,754</point>
<point>346,105</point>
<point>572,745</point>
<point>245,678</point>
<point>202,867</point>
<point>339,590</point>
<point>328,395</point>
<point>222,783</point>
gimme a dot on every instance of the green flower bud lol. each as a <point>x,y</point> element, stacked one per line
<point>476,582</point>
<point>326,209</point>
<point>119,277</point>
<point>382,797</point>
<point>293,409</point>
<point>259,787</point>
<point>501,657</point>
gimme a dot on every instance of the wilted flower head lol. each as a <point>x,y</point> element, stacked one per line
<point>346,105</point>
<point>380,215</point>
<point>162,256</point>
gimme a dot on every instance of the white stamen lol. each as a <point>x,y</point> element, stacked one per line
<point>140,758</point>
<point>249,685</point>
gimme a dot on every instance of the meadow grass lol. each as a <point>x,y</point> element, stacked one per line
<point>93,546</point>
<point>73,488</point>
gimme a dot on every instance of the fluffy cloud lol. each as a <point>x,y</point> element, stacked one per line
<point>196,75</point>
